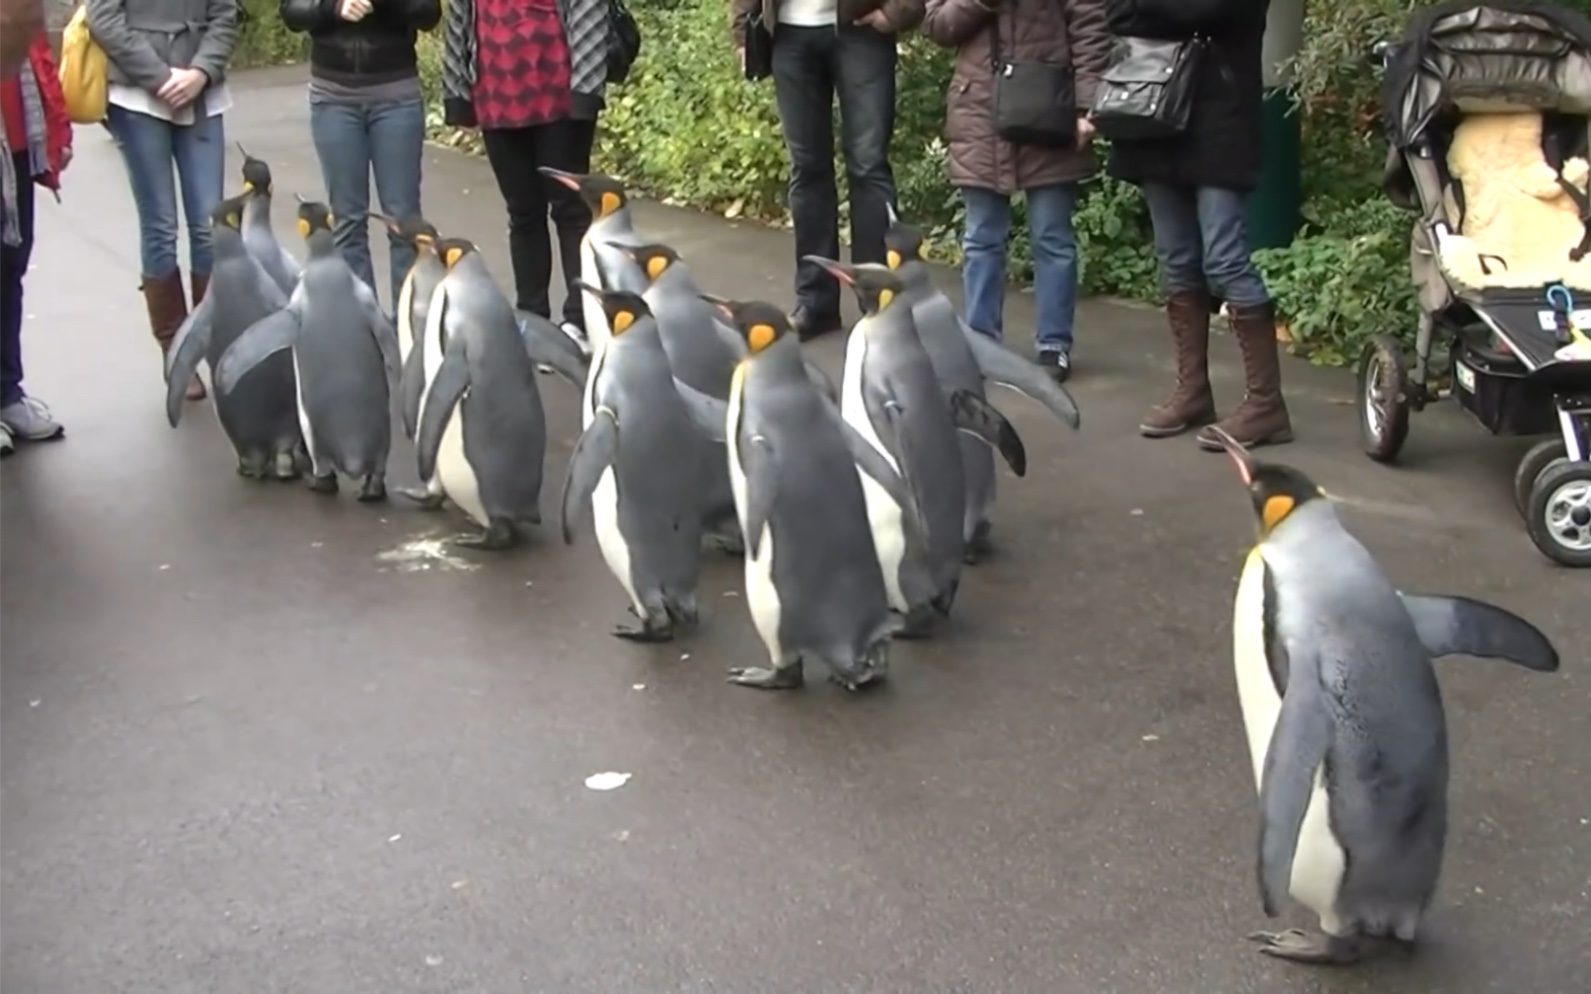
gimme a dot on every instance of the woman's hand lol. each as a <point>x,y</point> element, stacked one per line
<point>876,20</point>
<point>353,10</point>
<point>1085,130</point>
<point>182,87</point>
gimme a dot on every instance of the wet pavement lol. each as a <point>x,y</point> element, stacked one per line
<point>257,740</point>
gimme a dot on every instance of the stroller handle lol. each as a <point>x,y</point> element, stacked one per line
<point>1381,53</point>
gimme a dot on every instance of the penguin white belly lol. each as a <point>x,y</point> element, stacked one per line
<point>454,475</point>
<point>404,314</point>
<point>605,522</point>
<point>762,596</point>
<point>596,320</point>
<point>883,514</point>
<point>1318,860</point>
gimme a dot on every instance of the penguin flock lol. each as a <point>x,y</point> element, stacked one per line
<point>854,507</point>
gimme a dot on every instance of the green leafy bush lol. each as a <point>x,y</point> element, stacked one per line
<point>263,40</point>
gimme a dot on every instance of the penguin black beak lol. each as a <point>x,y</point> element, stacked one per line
<point>243,151</point>
<point>571,180</point>
<point>299,197</point>
<point>725,306</point>
<point>588,288</point>
<point>839,270</point>
<point>1239,455</point>
<point>889,212</point>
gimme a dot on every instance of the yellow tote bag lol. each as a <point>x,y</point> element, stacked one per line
<point>83,70</point>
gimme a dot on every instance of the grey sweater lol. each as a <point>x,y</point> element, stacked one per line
<point>145,39</point>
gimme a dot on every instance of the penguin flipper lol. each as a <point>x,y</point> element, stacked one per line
<point>546,343</point>
<point>188,346</point>
<point>412,387</point>
<point>1459,626</point>
<point>821,380</point>
<point>381,329</point>
<point>897,484</point>
<point>977,417</point>
<point>264,337</point>
<point>1008,369</point>
<point>288,270</point>
<point>595,451</point>
<point>1297,748</point>
<point>709,414</point>
<point>449,384</point>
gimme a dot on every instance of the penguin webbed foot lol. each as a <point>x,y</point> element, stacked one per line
<point>1319,948</point>
<point>326,484</point>
<point>915,624</point>
<point>789,677</point>
<point>499,534</point>
<point>648,632</point>
<point>372,488</point>
<point>423,498</point>
<point>286,466</point>
<point>727,541</point>
<point>253,468</point>
<point>978,547</point>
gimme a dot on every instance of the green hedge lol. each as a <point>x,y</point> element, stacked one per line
<point>687,129</point>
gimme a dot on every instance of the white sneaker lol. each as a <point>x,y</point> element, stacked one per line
<point>574,331</point>
<point>30,420</point>
<point>8,445</point>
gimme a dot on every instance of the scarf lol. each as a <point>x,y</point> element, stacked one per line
<point>585,28</point>
<point>38,152</point>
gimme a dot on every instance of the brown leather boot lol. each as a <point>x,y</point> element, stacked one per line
<point>163,296</point>
<point>1191,404</point>
<point>1261,419</point>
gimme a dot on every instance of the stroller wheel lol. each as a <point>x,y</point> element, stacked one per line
<point>1535,461</point>
<point>1559,515</point>
<point>1383,400</point>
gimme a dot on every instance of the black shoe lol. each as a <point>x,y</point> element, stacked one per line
<point>808,325</point>
<point>1058,363</point>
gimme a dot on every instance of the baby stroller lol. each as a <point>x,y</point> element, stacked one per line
<point>1487,108</point>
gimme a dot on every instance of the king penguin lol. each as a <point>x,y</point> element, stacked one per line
<point>602,263</point>
<point>890,394</point>
<point>640,466</point>
<point>481,430</point>
<point>964,360</point>
<point>258,234</point>
<point>414,295</point>
<point>1345,723</point>
<point>813,584</point>
<point>259,415</point>
<point>345,358</point>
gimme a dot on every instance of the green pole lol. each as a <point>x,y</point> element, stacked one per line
<point>1273,207</point>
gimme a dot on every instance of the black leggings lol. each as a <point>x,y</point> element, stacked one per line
<point>515,154</point>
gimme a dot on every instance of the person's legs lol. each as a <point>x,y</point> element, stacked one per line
<point>1174,213</point>
<point>566,145</point>
<point>1054,271</point>
<point>803,86</point>
<point>983,256</point>
<point>342,136</point>
<point>864,72</point>
<point>511,153</point>
<point>200,151</point>
<point>21,416</point>
<point>397,143</point>
<point>1261,418</point>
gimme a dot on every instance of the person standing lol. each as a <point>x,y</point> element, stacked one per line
<point>823,49</point>
<point>37,140</point>
<point>166,62</point>
<point>1196,184</point>
<point>366,115</point>
<point>988,169</point>
<point>532,75</point>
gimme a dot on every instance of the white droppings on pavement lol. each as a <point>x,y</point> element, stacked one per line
<point>396,837</point>
<point>637,686</point>
<point>433,960</point>
<point>1151,738</point>
<point>607,781</point>
<point>420,554</point>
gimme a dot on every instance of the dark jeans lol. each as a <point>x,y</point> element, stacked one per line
<point>810,67</point>
<point>1201,237</point>
<point>13,266</point>
<point>515,153</point>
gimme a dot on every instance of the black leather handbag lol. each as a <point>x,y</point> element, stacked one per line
<point>1149,88</point>
<point>624,41</point>
<point>1035,103</point>
<point>759,47</point>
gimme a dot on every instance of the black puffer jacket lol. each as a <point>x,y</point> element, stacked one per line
<point>1222,146</point>
<point>376,49</point>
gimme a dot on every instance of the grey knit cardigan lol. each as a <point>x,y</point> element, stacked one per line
<point>586,32</point>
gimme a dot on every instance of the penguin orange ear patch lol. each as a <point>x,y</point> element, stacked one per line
<point>303,228</point>
<point>452,256</point>
<point>621,321</point>
<point>760,336</point>
<point>892,257</point>
<point>233,220</point>
<point>610,203</point>
<point>1276,509</point>
<point>655,266</point>
<point>884,297</point>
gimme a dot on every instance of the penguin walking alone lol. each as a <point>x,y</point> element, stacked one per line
<point>1345,722</point>
<point>345,358</point>
<point>259,416</point>
<point>258,235</point>
<point>813,584</point>
<point>966,360</point>
<point>891,395</point>
<point>470,390</point>
<point>639,466</point>
<point>602,263</point>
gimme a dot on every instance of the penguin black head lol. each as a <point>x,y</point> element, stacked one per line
<point>1276,490</point>
<point>876,286</point>
<point>453,250</point>
<point>760,323</point>
<point>256,174</point>
<point>654,258</point>
<point>313,216</point>
<point>416,230</point>
<point>622,308</point>
<point>602,193</point>
<point>228,213</point>
<point>903,243</point>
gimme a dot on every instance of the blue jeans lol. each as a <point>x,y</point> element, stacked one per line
<point>983,248</point>
<point>13,266</point>
<point>1201,237</point>
<point>352,141</point>
<point>149,145</point>
<point>811,67</point>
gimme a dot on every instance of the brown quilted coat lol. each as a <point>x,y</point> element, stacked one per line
<point>1065,32</point>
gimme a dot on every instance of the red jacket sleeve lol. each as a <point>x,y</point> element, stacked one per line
<point>58,127</point>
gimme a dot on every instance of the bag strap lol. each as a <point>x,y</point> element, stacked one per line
<point>1582,202</point>
<point>994,35</point>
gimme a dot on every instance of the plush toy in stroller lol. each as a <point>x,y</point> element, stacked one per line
<point>1487,108</point>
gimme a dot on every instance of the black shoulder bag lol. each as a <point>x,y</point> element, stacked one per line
<point>1149,88</point>
<point>624,41</point>
<point>759,47</point>
<point>1035,103</point>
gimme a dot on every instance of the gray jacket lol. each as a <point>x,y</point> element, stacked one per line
<point>145,39</point>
